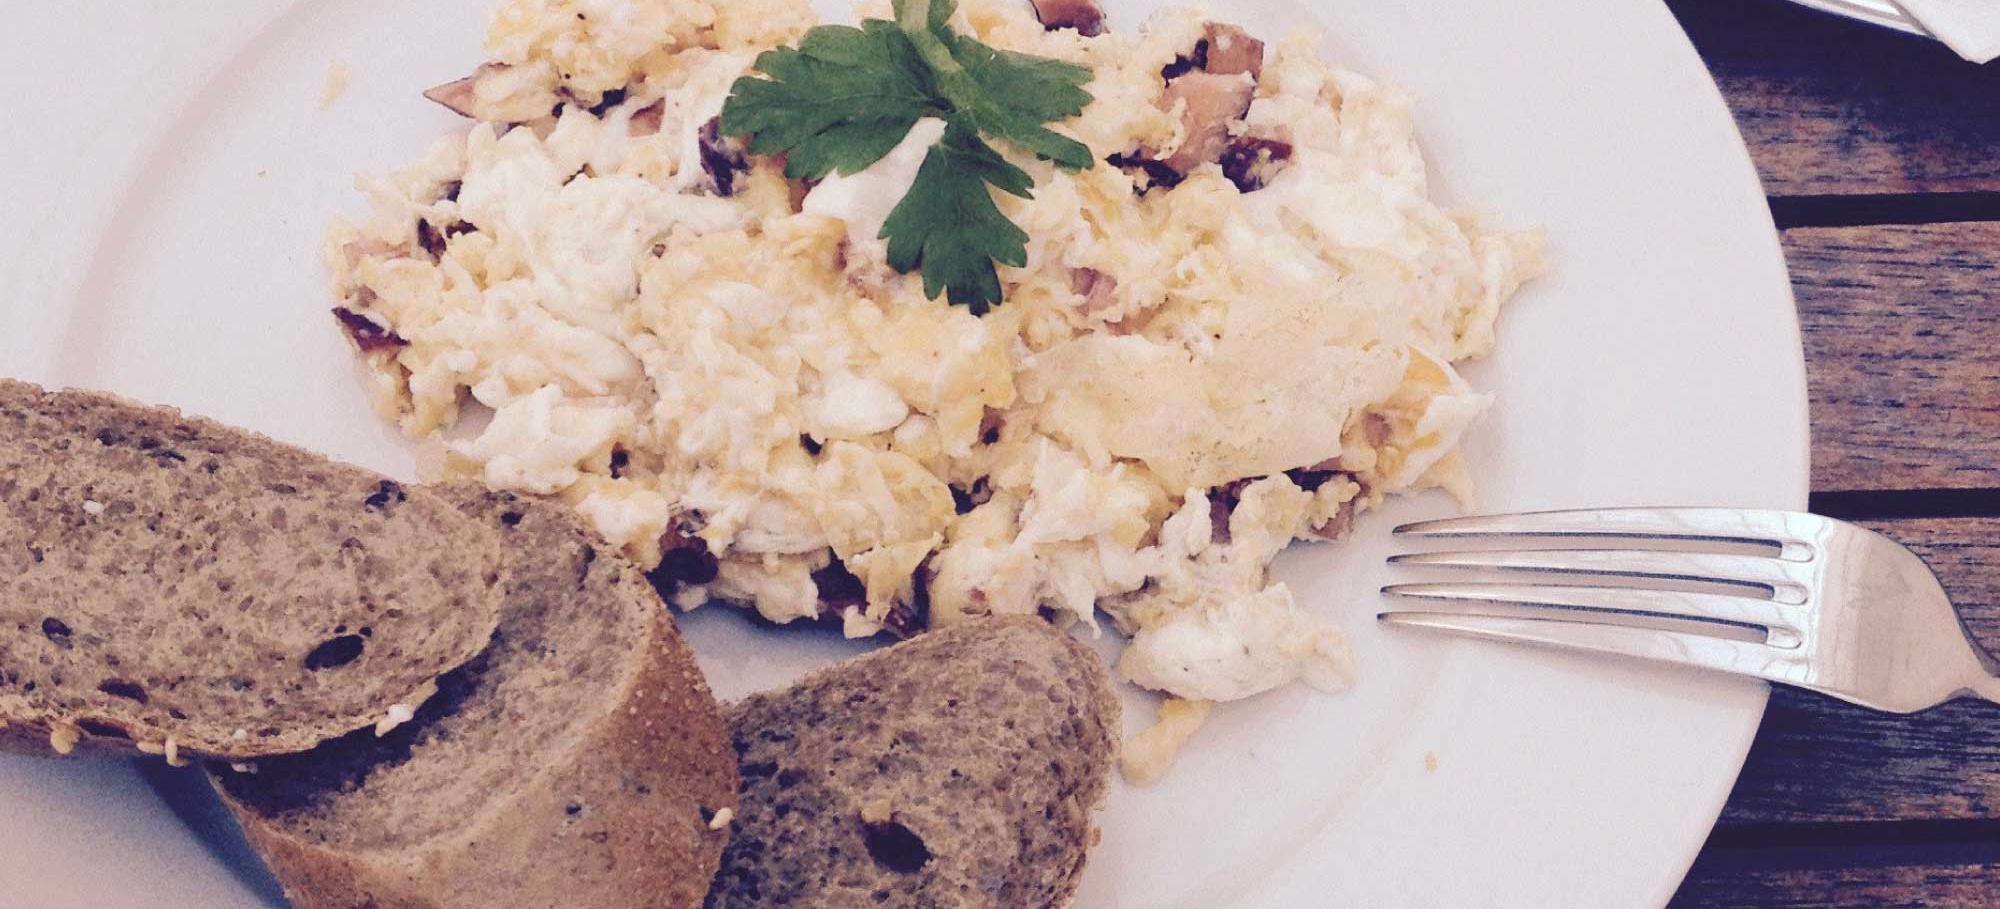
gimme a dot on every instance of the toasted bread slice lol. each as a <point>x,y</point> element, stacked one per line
<point>169,584</point>
<point>956,770</point>
<point>577,762</point>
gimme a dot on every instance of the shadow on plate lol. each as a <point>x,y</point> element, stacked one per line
<point>186,792</point>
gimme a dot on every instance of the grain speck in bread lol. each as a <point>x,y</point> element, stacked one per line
<point>577,762</point>
<point>957,770</point>
<point>169,580</point>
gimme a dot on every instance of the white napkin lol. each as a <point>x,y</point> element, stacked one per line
<point>1971,27</point>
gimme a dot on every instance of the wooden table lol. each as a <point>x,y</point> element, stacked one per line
<point>1881,156</point>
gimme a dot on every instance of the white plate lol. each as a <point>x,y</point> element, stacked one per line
<point>170,172</point>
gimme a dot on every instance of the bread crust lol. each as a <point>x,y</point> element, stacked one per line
<point>653,766</point>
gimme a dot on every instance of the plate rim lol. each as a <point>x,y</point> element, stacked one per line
<point>1801,483</point>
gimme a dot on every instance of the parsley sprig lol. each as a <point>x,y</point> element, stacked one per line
<point>847,95</point>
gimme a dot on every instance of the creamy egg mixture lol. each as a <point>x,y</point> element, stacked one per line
<point>717,367</point>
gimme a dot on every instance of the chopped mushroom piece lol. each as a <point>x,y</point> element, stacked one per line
<point>1215,82</point>
<point>838,587</point>
<point>1083,15</point>
<point>646,120</point>
<point>368,335</point>
<point>907,619</point>
<point>1251,161</point>
<point>685,559</point>
<point>430,240</point>
<point>499,93</point>
<point>1156,173</point>
<point>604,104</point>
<point>459,95</point>
<point>1338,526</point>
<point>1099,290</point>
<point>1196,59</point>
<point>1231,50</point>
<point>1208,102</point>
<point>722,159</point>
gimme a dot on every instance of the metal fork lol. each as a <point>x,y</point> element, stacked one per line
<point>1789,597</point>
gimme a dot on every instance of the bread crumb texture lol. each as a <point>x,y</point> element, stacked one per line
<point>168,577</point>
<point>956,770</point>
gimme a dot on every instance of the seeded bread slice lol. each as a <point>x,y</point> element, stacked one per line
<point>957,770</point>
<point>576,763</point>
<point>171,584</point>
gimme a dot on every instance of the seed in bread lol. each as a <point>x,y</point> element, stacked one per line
<point>169,583</point>
<point>579,761</point>
<point>957,770</point>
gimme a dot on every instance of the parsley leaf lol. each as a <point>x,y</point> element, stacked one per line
<point>846,96</point>
<point>1004,94</point>
<point>839,101</point>
<point>949,224</point>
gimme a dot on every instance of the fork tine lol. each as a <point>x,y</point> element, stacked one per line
<point>1681,648</point>
<point>1781,580</point>
<point>1728,525</point>
<point>1676,604</point>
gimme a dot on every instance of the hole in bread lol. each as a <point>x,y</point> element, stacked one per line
<point>119,688</point>
<point>332,652</point>
<point>56,630</point>
<point>895,847</point>
<point>102,729</point>
<point>386,493</point>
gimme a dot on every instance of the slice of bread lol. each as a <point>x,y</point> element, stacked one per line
<point>577,762</point>
<point>169,584</point>
<point>956,770</point>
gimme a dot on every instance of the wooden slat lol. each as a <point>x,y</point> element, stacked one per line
<point>1904,358</point>
<point>1816,759</point>
<point>1829,106</point>
<point>1902,336</point>
<point>1920,887</point>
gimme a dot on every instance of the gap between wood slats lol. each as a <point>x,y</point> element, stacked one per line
<point>1852,845</point>
<point>1890,504</point>
<point>1888,208</point>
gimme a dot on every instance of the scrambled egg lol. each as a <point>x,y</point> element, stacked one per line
<point>1180,383</point>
